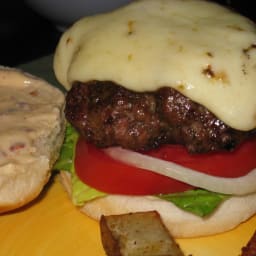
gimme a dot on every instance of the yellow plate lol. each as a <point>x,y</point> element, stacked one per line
<point>53,226</point>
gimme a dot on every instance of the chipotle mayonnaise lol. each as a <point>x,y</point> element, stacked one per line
<point>31,133</point>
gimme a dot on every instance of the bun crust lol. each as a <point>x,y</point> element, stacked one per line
<point>31,133</point>
<point>230,214</point>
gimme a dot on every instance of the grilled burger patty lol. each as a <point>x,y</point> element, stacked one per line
<point>107,114</point>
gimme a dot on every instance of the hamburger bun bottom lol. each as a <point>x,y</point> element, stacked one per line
<point>181,224</point>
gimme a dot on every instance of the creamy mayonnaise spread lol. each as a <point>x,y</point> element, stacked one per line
<point>201,49</point>
<point>31,123</point>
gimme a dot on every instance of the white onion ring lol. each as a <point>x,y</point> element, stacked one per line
<point>234,186</point>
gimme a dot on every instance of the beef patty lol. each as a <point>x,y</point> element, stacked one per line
<point>107,114</point>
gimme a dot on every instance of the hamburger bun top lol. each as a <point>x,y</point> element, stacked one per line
<point>31,134</point>
<point>201,49</point>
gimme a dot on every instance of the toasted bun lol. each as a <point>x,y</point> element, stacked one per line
<point>230,214</point>
<point>31,134</point>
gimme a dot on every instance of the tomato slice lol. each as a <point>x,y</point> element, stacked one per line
<point>98,170</point>
<point>222,164</point>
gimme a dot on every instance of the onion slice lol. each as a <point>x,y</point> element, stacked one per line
<point>234,186</point>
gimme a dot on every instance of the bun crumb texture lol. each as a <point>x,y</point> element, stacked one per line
<point>31,134</point>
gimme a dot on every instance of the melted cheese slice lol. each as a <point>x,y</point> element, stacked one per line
<point>201,49</point>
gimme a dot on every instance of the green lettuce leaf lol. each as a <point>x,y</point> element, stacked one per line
<point>199,202</point>
<point>67,152</point>
<point>81,192</point>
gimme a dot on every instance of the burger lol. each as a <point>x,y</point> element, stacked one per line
<point>162,114</point>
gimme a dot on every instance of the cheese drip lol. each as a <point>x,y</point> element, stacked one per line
<point>201,49</point>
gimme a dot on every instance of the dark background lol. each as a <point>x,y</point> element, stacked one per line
<point>25,35</point>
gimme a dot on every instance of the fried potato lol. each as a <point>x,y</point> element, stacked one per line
<point>250,248</point>
<point>137,234</point>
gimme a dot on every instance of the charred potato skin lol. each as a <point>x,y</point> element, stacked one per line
<point>110,244</point>
<point>250,248</point>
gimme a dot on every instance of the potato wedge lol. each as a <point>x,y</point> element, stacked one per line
<point>250,248</point>
<point>137,234</point>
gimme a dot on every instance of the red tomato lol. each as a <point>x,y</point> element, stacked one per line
<point>98,170</point>
<point>222,164</point>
